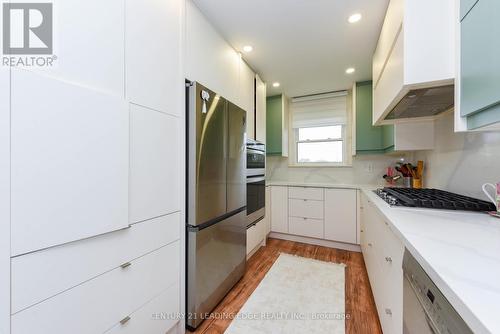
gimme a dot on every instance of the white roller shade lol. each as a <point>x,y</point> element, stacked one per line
<point>319,110</point>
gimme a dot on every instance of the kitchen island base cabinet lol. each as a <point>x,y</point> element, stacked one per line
<point>383,255</point>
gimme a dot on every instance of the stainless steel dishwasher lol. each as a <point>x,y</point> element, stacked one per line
<point>425,309</point>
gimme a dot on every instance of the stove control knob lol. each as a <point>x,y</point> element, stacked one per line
<point>392,200</point>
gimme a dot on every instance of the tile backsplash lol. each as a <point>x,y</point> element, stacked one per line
<point>366,169</point>
<point>461,162</point>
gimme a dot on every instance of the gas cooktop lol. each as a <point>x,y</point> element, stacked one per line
<point>432,198</point>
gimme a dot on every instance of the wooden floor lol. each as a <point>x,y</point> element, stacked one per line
<point>360,306</point>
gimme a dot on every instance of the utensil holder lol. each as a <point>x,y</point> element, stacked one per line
<point>407,181</point>
<point>417,183</point>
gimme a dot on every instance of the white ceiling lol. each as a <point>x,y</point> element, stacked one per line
<point>306,45</point>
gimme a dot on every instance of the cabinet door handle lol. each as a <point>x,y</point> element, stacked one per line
<point>362,230</point>
<point>305,200</point>
<point>125,265</point>
<point>388,311</point>
<point>388,259</point>
<point>370,244</point>
<point>124,320</point>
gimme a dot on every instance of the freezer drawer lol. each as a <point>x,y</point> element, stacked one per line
<point>216,261</point>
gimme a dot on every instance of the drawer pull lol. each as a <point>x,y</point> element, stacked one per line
<point>125,265</point>
<point>304,218</point>
<point>370,244</point>
<point>305,200</point>
<point>124,320</point>
<point>362,230</point>
<point>388,311</point>
<point>388,259</point>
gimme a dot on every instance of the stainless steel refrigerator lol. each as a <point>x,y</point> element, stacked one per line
<point>216,200</point>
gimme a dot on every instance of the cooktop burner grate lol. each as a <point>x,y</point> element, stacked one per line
<point>436,199</point>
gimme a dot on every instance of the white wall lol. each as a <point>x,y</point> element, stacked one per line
<point>461,162</point>
<point>359,173</point>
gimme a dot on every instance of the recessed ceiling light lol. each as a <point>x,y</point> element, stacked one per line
<point>276,84</point>
<point>247,48</point>
<point>354,18</point>
<point>350,70</point>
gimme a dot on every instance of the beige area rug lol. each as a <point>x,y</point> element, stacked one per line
<point>297,295</point>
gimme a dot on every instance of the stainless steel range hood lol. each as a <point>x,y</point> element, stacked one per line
<point>425,102</point>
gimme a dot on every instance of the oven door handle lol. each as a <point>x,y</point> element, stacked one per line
<point>251,150</point>
<point>257,178</point>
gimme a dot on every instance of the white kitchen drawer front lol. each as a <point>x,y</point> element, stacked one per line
<point>99,304</point>
<point>341,215</point>
<point>306,227</point>
<point>306,208</point>
<point>305,193</point>
<point>43,274</point>
<point>156,317</point>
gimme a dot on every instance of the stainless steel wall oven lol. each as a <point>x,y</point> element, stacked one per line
<point>256,181</point>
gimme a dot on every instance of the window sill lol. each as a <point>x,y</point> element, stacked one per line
<point>320,165</point>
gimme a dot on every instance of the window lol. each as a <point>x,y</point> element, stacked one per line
<point>320,130</point>
<point>323,144</point>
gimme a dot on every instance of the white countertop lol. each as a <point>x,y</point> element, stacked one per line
<point>460,251</point>
<point>319,185</point>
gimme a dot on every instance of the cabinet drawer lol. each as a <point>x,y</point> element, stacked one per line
<point>305,193</point>
<point>305,208</point>
<point>43,274</point>
<point>306,227</point>
<point>99,304</point>
<point>156,317</point>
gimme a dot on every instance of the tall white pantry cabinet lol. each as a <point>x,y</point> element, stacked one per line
<point>91,158</point>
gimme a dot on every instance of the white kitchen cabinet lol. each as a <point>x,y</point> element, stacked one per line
<point>152,318</point>
<point>383,255</point>
<point>63,267</point>
<point>4,199</point>
<point>210,60</point>
<point>341,215</point>
<point>154,29</point>
<point>154,164</point>
<point>89,43</point>
<point>415,50</point>
<point>99,304</point>
<point>70,157</point>
<point>279,210</point>
<point>267,217</point>
<point>247,96</point>
<point>256,235</point>
<point>260,109</point>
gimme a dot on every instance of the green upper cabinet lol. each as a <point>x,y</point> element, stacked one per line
<point>480,65</point>
<point>369,138</point>
<point>276,126</point>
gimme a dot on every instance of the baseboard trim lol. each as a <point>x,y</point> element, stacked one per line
<point>318,242</point>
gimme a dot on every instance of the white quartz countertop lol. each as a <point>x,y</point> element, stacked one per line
<point>319,185</point>
<point>460,251</point>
